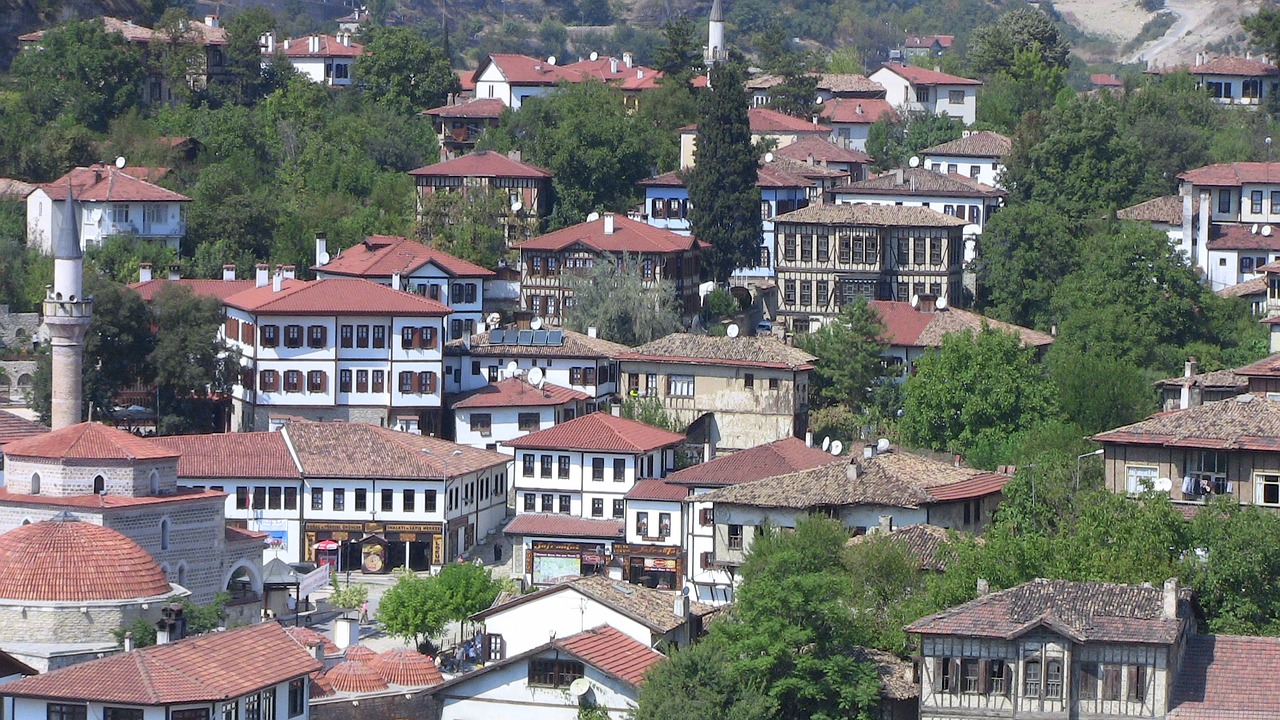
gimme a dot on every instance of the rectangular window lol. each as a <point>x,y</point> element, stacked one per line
<point>1208,470</point>
<point>120,213</point>
<point>344,381</point>
<point>1224,201</point>
<point>824,248</point>
<point>789,292</point>
<point>429,501</point>
<point>997,677</point>
<point>952,169</point>
<point>664,525</point>
<point>562,469</point>
<point>651,384</point>
<point>408,498</point>
<point>379,336</point>
<point>362,336</point>
<point>546,466</point>
<point>806,248</point>
<point>275,498</point>
<point>1111,682</point>
<point>270,335</point>
<point>1140,478</point>
<point>230,711</point>
<point>1031,679</point>
<point>749,380</point>
<point>291,498</point>
<point>269,704</point>
<point>1053,680</point>
<point>530,502</point>
<point>427,382</point>
<point>293,336</point>
<point>408,338</point>
<point>548,503</point>
<point>597,507</point>
<point>345,335</point>
<point>242,498</point>
<point>362,380</point>
<point>379,380</point>
<point>316,336</point>
<point>566,504</point>
<point>806,292</point>
<point>680,386</point>
<point>948,680</point>
<point>362,500</point>
<point>551,673</point>
<point>528,461</point>
<point>482,423</point>
<point>297,696</point>
<point>529,422</point>
<point>1268,489</point>
<point>406,382</point>
<point>293,381</point>
<point>589,376</point>
<point>619,470</point>
<point>956,97</point>
<point>735,537</point>
<point>1137,683</point>
<point>575,376</point>
<point>969,676</point>
<point>823,294</point>
<point>388,500</point>
<point>1089,681</point>
<point>706,516</point>
<point>317,499</point>
<point>642,524</point>
<point>618,508</point>
<point>316,381</point>
<point>339,499</point>
<point>1255,202</point>
<point>252,707</point>
<point>597,468</point>
<point>1275,202</point>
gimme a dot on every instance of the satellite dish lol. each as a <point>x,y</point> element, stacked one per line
<point>882,445</point>
<point>768,157</point>
<point>97,214</point>
<point>914,161</point>
<point>512,368</point>
<point>915,301</point>
<point>517,206</point>
<point>941,303</point>
<point>535,323</point>
<point>594,56</point>
<point>551,59</point>
<point>493,318</point>
<point>593,216</point>
<point>1254,229</point>
<point>1266,231</point>
<point>826,443</point>
<point>837,448</point>
<point>581,686</point>
<point>733,330</point>
<point>536,377</point>
<point>1162,485</point>
<point>120,162</point>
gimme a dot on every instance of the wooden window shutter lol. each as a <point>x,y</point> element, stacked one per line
<point>1131,680</point>
<point>984,676</point>
<point>324,381</point>
<point>955,676</point>
<point>431,383</point>
<point>939,669</point>
<point>324,336</point>
<point>429,336</point>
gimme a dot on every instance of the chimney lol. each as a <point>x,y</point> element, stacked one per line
<point>262,274</point>
<point>290,272</point>
<point>928,302</point>
<point>868,451</point>
<point>228,272</point>
<point>984,587</point>
<point>128,642</point>
<point>144,272</point>
<point>613,66</point>
<point>708,451</point>
<point>627,59</point>
<point>616,410</point>
<point>682,607</point>
<point>854,471</point>
<point>897,174</point>
<point>593,332</point>
<point>808,438</point>
<point>277,281</point>
<point>395,280</point>
<point>171,626</point>
<point>212,21</point>
<point>608,223</point>
<point>345,39</point>
<point>886,524</point>
<point>175,272</point>
<point>322,249</point>
<point>1190,368</point>
<point>1170,609</point>
<point>317,650</point>
<point>639,74</point>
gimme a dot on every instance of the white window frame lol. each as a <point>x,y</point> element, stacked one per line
<point>1132,479</point>
<point>1260,479</point>
<point>680,386</point>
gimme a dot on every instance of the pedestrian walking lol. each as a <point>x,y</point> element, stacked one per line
<point>364,613</point>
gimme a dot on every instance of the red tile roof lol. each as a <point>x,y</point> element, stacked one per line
<point>1241,237</point>
<point>1166,209</point>
<point>478,108</point>
<point>925,77</point>
<point>232,455</point>
<point>307,637</point>
<point>857,110</point>
<point>602,69</point>
<point>107,183</point>
<point>613,652</point>
<point>334,296</point>
<point>1266,367</point>
<point>515,392</point>
<point>1245,422</point>
<point>599,432</point>
<point>1227,677</point>
<point>466,79</point>
<point>764,120</point>
<point>918,182</point>
<point>910,327</point>
<point>924,41</point>
<point>108,501</point>
<point>341,449</point>
<point>14,428</point>
<point>235,534</point>
<point>1233,174</point>
<point>976,487</point>
<point>329,48</point>
<point>1105,80</point>
<point>525,70</point>
<point>88,441</point>
<point>221,289</point>
<point>66,560</point>
<point>656,489</point>
<point>360,653</point>
<point>979,143</point>
<point>406,667</point>
<point>822,151</point>
<point>381,256</point>
<point>628,236</point>
<point>205,668</point>
<point>482,163</point>
<point>1223,66</point>
<point>762,461</point>
<point>549,525</point>
<point>745,351</point>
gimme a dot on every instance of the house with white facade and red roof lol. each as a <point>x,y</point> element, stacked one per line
<point>913,89</point>
<point>851,119</point>
<point>1229,211</point>
<point>325,59</point>
<point>108,201</point>
<point>513,78</point>
<point>460,125</point>
<point>1246,81</point>
<point>497,413</point>
<point>765,124</point>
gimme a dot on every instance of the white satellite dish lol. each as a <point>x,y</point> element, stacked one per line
<point>1254,229</point>
<point>536,323</point>
<point>882,445</point>
<point>120,162</point>
<point>1163,484</point>
<point>581,686</point>
<point>768,157</point>
<point>915,300</point>
<point>551,59</point>
<point>593,216</point>
<point>493,319</point>
<point>594,56</point>
<point>517,206</point>
<point>826,443</point>
<point>733,330</point>
<point>1266,231</point>
<point>536,377</point>
<point>837,448</point>
<point>512,369</point>
<point>914,161</point>
<point>941,303</point>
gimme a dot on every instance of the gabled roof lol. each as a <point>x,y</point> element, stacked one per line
<point>926,41</point>
<point>1218,380</point>
<point>221,289</point>
<point>360,450</point>
<point>911,327</point>
<point>516,392</point>
<point>923,542</point>
<point>768,175</point>
<point>821,151</point>
<point>613,652</point>
<point>647,606</point>
<point>206,668</point>
<point>599,432</point>
<point>920,181</point>
<point>1246,422</point>
<point>1256,286</point>
<point>628,236</point>
<point>232,455</point>
<point>871,215</point>
<point>1082,611</point>
<point>857,111</point>
<point>1105,80</point>
<point>1166,210</point>
<point>525,70</point>
<point>552,525</point>
<point>14,428</point>
<point>107,183</point>
<point>610,69</point>
<point>764,121</point>
<point>575,345</point>
<point>88,441</point>
<point>381,256</point>
<point>134,33</point>
<point>477,108</point>
<point>1227,677</point>
<point>657,489</point>
<point>743,351</point>
<point>1267,367</point>
<point>762,461</point>
<point>1233,174</point>
<point>482,163</point>
<point>893,479</point>
<point>334,296</point>
<point>925,77</point>
<point>1232,236</point>
<point>979,144</point>
<point>1246,67</point>
<point>850,83</point>
<point>330,47</point>
<point>801,168</point>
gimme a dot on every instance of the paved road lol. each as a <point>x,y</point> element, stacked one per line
<point>1191,15</point>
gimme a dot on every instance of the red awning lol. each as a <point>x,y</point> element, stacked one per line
<point>327,545</point>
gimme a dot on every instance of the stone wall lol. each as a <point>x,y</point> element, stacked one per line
<point>419,705</point>
<point>60,478</point>
<point>66,624</point>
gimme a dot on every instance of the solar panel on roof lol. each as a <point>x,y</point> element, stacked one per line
<point>539,337</point>
<point>555,337</point>
<point>525,337</point>
<point>497,337</point>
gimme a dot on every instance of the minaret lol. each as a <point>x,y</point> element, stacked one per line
<point>715,35</point>
<point>66,315</point>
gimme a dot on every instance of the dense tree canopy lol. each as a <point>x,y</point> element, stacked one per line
<point>405,71</point>
<point>614,298</point>
<point>994,47</point>
<point>849,365</point>
<point>81,74</point>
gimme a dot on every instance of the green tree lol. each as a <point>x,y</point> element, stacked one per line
<point>1027,251</point>
<point>649,410</point>
<point>175,53</point>
<point>405,70</point>
<point>1264,30</point>
<point>680,52</point>
<point>614,298</point>
<point>698,682</point>
<point>993,47</point>
<point>1174,123</point>
<point>80,73</point>
<point>463,589</point>
<point>190,363</point>
<point>118,343</point>
<point>407,610</point>
<point>1029,83</point>
<point>892,141</point>
<point>849,364</point>
<point>1099,392</point>
<point>249,78</point>
<point>795,94</point>
<point>975,389</point>
<point>350,596</point>
<point>1234,567</point>
<point>724,201</point>
<point>463,225</point>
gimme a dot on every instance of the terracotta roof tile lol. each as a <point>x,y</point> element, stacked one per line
<point>515,392</point>
<point>1223,66</point>
<point>1217,379</point>
<point>525,70</point>
<point>1105,80</point>
<point>65,560</point>
<point>381,256</point>
<point>648,606</point>
<point>1084,611</point>
<point>107,183</point>
<point>108,501</point>
<point>1256,286</point>
<point>14,428</point>
<point>801,168</point>
<point>871,215</point>
<point>360,653</point>
<point>927,41</point>
<point>241,535</point>
<point>1245,422</point>
<point>911,327</point>
<point>857,111</point>
<point>769,175</point>
<point>628,236</point>
<point>1227,677</point>
<point>1233,174</point>
<point>762,461</point>
<point>919,181</point>
<point>656,489</point>
<point>576,345</point>
<point>549,525</point>
<point>743,351</point>
<point>599,432</point>
<point>482,163</point>
<point>340,449</point>
<point>763,121</point>
<point>1166,210</point>
<point>88,441</point>
<point>206,668</point>
<point>308,637</point>
<point>344,296</point>
<point>330,47</point>
<point>925,77</point>
<point>232,455</point>
<point>895,673</point>
<point>613,652</point>
<point>923,542</point>
<point>822,151</point>
<point>406,667</point>
<point>830,82</point>
<point>1266,367</point>
<point>354,677</point>
<point>477,108</point>
<point>1233,236</point>
<point>603,68</point>
<point>980,143</point>
<point>221,289</point>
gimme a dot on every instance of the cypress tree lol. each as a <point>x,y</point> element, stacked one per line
<point>723,198</point>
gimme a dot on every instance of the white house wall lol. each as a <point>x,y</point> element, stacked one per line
<point>504,692</point>
<point>559,614</point>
